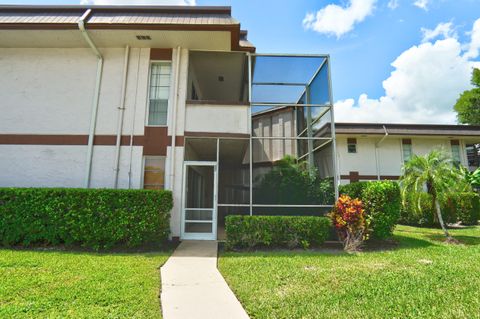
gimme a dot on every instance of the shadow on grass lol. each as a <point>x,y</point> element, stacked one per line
<point>465,240</point>
<point>399,242</point>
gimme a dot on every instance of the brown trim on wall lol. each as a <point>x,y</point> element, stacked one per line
<point>351,140</point>
<point>356,177</point>
<point>30,139</point>
<point>154,142</point>
<point>214,134</point>
<point>179,141</point>
<point>160,54</point>
<point>407,141</point>
<point>454,142</point>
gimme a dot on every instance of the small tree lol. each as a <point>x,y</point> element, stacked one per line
<point>434,173</point>
<point>351,222</point>
<point>468,104</point>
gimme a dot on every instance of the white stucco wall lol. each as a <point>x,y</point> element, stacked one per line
<point>42,165</point>
<point>217,118</point>
<point>50,91</point>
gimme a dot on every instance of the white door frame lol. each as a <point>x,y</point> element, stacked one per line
<point>200,236</point>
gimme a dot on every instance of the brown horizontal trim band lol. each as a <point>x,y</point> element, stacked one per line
<point>160,54</point>
<point>31,139</point>
<point>100,140</point>
<point>371,177</point>
<point>215,134</point>
<point>119,9</point>
<point>121,26</point>
<point>214,102</point>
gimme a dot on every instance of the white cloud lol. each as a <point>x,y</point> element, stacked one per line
<point>423,87</point>
<point>337,20</point>
<point>393,4</point>
<point>442,29</point>
<point>474,46</point>
<point>139,2</point>
<point>422,4</point>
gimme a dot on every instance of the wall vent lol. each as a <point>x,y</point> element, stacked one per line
<point>143,37</point>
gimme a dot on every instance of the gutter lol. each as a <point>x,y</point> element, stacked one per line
<point>121,114</point>
<point>377,145</point>
<point>174,118</point>
<point>96,96</point>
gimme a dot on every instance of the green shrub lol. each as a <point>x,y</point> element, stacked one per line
<point>418,212</point>
<point>353,190</point>
<point>276,231</point>
<point>92,218</point>
<point>382,203</point>
<point>293,182</point>
<point>464,207</point>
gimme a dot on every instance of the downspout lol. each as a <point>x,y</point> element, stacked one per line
<point>96,96</point>
<point>133,121</point>
<point>174,118</point>
<point>377,164</point>
<point>121,114</point>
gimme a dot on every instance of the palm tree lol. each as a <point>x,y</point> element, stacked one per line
<point>434,173</point>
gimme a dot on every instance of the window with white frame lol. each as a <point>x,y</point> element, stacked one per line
<point>352,145</point>
<point>154,172</point>
<point>456,152</point>
<point>160,74</point>
<point>407,150</point>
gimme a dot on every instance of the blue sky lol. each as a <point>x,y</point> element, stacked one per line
<point>364,38</point>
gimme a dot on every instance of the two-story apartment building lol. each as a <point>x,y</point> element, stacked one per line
<point>154,97</point>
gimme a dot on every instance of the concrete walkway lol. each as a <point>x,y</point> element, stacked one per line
<point>192,286</point>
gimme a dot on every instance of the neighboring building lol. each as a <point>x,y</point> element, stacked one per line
<point>378,151</point>
<point>153,97</point>
<point>367,151</point>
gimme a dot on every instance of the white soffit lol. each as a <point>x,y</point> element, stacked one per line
<point>200,40</point>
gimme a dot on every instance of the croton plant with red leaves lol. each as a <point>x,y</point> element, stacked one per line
<point>351,222</point>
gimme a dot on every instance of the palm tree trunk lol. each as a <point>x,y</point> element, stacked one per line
<point>440,219</point>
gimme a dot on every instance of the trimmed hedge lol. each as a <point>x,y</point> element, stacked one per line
<point>276,231</point>
<point>464,207</point>
<point>92,218</point>
<point>354,190</point>
<point>382,203</point>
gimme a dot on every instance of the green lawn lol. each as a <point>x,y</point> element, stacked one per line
<point>421,278</point>
<point>55,284</point>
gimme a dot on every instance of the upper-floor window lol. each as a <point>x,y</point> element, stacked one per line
<point>159,92</point>
<point>352,145</point>
<point>407,150</point>
<point>456,152</point>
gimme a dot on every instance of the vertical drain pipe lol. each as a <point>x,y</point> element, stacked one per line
<point>377,145</point>
<point>96,97</point>
<point>174,117</point>
<point>121,114</point>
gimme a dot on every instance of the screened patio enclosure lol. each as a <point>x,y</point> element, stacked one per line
<point>285,164</point>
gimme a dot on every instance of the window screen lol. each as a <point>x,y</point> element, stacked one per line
<point>352,145</point>
<point>456,152</point>
<point>159,92</point>
<point>154,172</point>
<point>407,151</point>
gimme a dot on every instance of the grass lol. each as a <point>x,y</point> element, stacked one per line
<point>56,284</point>
<point>421,278</point>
